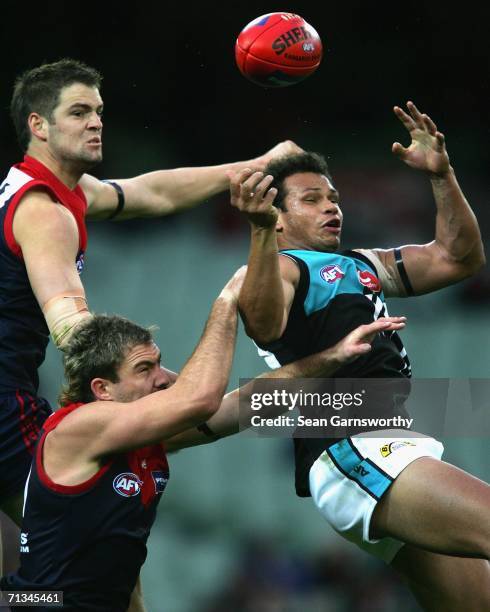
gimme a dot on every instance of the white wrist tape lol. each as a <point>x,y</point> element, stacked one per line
<point>63,313</point>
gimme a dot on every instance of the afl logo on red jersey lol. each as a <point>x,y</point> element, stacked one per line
<point>127,484</point>
<point>330,274</point>
<point>369,280</point>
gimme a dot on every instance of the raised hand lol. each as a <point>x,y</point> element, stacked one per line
<point>250,193</point>
<point>427,151</point>
<point>358,342</point>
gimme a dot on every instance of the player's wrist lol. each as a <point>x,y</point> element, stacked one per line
<point>444,175</point>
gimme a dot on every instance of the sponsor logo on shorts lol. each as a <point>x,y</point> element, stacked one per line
<point>387,449</point>
<point>160,479</point>
<point>127,484</point>
<point>330,274</point>
<point>361,470</point>
<point>369,280</point>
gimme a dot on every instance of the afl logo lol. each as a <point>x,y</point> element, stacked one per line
<point>127,484</point>
<point>308,47</point>
<point>330,274</point>
<point>369,280</point>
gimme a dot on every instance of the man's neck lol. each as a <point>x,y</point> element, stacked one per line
<point>63,171</point>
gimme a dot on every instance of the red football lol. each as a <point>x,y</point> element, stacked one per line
<point>278,49</point>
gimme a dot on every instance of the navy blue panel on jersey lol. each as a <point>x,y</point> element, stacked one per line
<point>89,540</point>
<point>21,419</point>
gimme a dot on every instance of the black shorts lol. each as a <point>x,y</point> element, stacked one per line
<point>21,418</point>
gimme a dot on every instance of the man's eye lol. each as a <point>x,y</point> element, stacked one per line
<point>77,113</point>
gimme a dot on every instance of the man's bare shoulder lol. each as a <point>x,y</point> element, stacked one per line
<point>290,271</point>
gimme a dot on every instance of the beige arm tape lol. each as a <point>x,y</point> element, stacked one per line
<point>388,276</point>
<point>63,313</point>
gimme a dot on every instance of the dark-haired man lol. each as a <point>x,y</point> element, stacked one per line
<point>300,295</point>
<point>57,112</point>
<point>100,468</point>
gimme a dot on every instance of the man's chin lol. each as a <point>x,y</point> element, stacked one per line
<point>90,161</point>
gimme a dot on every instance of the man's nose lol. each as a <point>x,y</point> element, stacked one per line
<point>162,380</point>
<point>95,122</point>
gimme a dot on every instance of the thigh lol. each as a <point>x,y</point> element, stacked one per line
<point>435,506</point>
<point>441,582</point>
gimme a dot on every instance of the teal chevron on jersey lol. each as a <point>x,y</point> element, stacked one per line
<point>331,274</point>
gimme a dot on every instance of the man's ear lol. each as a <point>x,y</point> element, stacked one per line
<point>38,126</point>
<point>279,222</point>
<point>101,388</point>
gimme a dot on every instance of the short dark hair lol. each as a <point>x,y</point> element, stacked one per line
<point>38,90</point>
<point>97,348</point>
<point>288,165</point>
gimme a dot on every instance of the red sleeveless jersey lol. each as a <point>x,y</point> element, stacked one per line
<point>23,332</point>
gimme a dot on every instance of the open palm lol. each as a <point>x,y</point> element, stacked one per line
<point>427,150</point>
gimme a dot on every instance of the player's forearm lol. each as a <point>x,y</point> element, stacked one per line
<point>181,188</point>
<point>261,300</point>
<point>235,411</point>
<point>457,231</point>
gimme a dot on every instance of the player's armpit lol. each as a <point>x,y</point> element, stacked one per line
<point>103,198</point>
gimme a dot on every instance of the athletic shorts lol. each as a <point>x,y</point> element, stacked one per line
<point>350,477</point>
<point>21,418</point>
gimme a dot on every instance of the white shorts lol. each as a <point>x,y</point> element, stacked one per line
<point>349,478</point>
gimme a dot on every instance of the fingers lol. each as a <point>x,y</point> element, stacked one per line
<point>231,290</point>
<point>367,332</point>
<point>398,149</point>
<point>256,185</point>
<point>430,125</point>
<point>406,119</point>
<point>415,119</point>
<point>441,141</point>
<point>250,190</point>
<point>236,179</point>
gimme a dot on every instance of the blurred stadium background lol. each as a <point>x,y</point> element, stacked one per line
<point>230,533</point>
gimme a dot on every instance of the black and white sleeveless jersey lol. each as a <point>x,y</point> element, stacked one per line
<point>336,293</point>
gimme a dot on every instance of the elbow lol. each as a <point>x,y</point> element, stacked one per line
<point>476,261</point>
<point>263,334</point>
<point>263,331</point>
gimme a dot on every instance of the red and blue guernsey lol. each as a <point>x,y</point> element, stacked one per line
<point>23,332</point>
<point>89,540</point>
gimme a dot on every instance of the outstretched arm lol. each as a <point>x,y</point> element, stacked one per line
<point>457,250</point>
<point>167,191</point>
<point>320,365</point>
